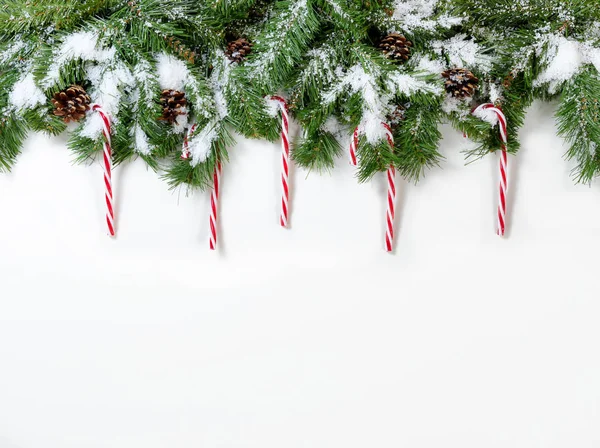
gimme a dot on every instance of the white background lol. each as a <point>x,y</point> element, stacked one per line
<point>311,337</point>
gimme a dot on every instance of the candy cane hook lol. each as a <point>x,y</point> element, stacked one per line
<point>107,155</point>
<point>391,196</point>
<point>503,187</point>
<point>185,151</point>
<point>285,159</point>
<point>391,181</point>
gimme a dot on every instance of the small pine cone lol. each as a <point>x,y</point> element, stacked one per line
<point>174,104</point>
<point>71,104</point>
<point>395,47</point>
<point>237,50</point>
<point>460,82</point>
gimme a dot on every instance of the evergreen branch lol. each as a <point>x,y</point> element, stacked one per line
<point>417,140</point>
<point>283,44</point>
<point>374,158</point>
<point>317,151</point>
<point>578,118</point>
<point>13,131</point>
<point>182,172</point>
<point>18,16</point>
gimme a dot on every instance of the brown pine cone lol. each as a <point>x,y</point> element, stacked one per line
<point>395,47</point>
<point>71,104</point>
<point>174,104</point>
<point>460,82</point>
<point>237,50</point>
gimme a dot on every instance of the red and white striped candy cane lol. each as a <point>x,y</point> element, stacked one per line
<point>391,196</point>
<point>503,164</point>
<point>108,193</point>
<point>354,147</point>
<point>285,158</point>
<point>185,151</point>
<point>214,205</point>
<point>391,178</point>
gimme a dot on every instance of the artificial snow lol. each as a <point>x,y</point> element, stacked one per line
<point>453,105</point>
<point>181,122</point>
<point>321,64</point>
<point>145,80</point>
<point>335,128</point>
<point>218,82</point>
<point>11,51</point>
<point>25,94</point>
<point>273,107</point>
<point>200,144</point>
<point>407,84</point>
<point>376,103</point>
<point>173,73</point>
<point>81,45</point>
<point>430,66</point>
<point>418,14</point>
<point>107,86</point>
<point>495,93</point>
<point>462,51</point>
<point>142,145</point>
<point>337,9</point>
<point>565,58</point>
<point>487,115</point>
<point>372,127</point>
<point>296,14</point>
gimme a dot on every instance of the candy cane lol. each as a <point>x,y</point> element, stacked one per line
<point>391,196</point>
<point>391,178</point>
<point>354,147</point>
<point>185,151</point>
<point>503,164</point>
<point>214,205</point>
<point>108,194</point>
<point>285,158</point>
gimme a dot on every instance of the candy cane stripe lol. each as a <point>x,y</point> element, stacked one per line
<point>107,168</point>
<point>503,185</point>
<point>391,203</point>
<point>185,151</point>
<point>285,160</point>
<point>391,209</point>
<point>391,180</point>
<point>354,147</point>
<point>214,204</point>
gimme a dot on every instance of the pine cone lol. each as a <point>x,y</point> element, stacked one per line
<point>460,82</point>
<point>174,104</point>
<point>71,104</point>
<point>237,50</point>
<point>396,47</point>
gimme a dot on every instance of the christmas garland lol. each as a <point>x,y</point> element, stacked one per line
<point>172,82</point>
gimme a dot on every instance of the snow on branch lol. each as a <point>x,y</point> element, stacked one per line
<point>420,14</point>
<point>82,46</point>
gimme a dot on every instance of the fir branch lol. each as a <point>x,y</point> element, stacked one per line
<point>284,42</point>
<point>374,158</point>
<point>13,131</point>
<point>578,118</point>
<point>182,172</point>
<point>18,16</point>
<point>317,151</point>
<point>417,140</point>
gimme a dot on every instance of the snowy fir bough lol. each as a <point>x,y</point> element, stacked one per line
<point>181,78</point>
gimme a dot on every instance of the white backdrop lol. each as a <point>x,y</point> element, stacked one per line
<point>312,337</point>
